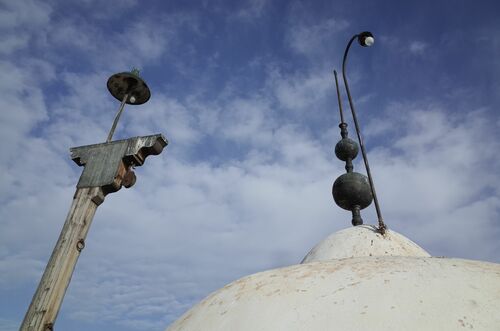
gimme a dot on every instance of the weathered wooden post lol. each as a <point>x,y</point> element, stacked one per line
<point>107,167</point>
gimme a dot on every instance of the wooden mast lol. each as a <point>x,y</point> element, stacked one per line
<point>107,167</point>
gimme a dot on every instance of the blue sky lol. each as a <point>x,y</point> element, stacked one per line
<point>244,93</point>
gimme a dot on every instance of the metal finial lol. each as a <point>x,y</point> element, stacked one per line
<point>135,71</point>
<point>129,88</point>
<point>350,191</point>
<point>365,39</point>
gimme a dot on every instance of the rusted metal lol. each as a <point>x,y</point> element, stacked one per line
<point>129,83</point>
<point>129,88</point>
<point>106,164</point>
<point>80,245</point>
<point>129,179</point>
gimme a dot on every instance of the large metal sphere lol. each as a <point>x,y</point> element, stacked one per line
<point>346,149</point>
<point>352,189</point>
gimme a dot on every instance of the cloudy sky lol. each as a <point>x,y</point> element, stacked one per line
<point>244,93</point>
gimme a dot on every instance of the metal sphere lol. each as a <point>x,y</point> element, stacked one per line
<point>366,39</point>
<point>350,190</point>
<point>346,149</point>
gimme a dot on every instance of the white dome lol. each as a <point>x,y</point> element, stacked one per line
<point>356,279</point>
<point>363,240</point>
<point>366,293</point>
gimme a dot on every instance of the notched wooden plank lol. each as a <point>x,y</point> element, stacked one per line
<point>105,164</point>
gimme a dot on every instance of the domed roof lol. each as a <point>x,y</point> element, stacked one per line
<point>361,293</point>
<point>363,240</point>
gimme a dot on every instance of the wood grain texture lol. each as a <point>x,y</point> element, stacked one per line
<point>55,280</point>
<point>107,167</point>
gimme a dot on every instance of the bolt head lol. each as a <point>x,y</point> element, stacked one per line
<point>129,179</point>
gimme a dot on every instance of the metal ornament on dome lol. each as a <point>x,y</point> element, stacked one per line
<point>351,191</point>
<point>354,191</point>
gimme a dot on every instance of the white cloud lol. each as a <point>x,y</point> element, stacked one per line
<point>253,9</point>
<point>301,92</point>
<point>189,227</point>
<point>247,121</point>
<point>141,42</point>
<point>152,252</point>
<point>19,22</point>
<point>312,38</point>
<point>167,115</point>
<point>435,173</point>
<point>245,205</point>
<point>103,10</point>
<point>24,13</point>
<point>23,106</point>
<point>415,47</point>
<point>156,241</point>
<point>9,44</point>
<point>418,47</point>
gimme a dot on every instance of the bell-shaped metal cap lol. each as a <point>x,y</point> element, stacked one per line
<point>129,82</point>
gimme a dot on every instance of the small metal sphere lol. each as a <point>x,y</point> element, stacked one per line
<point>346,149</point>
<point>350,190</point>
<point>126,82</point>
<point>366,39</point>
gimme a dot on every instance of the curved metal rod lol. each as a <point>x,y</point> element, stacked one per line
<point>381,225</point>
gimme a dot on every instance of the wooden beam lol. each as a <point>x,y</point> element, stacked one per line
<point>108,167</point>
<point>48,297</point>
